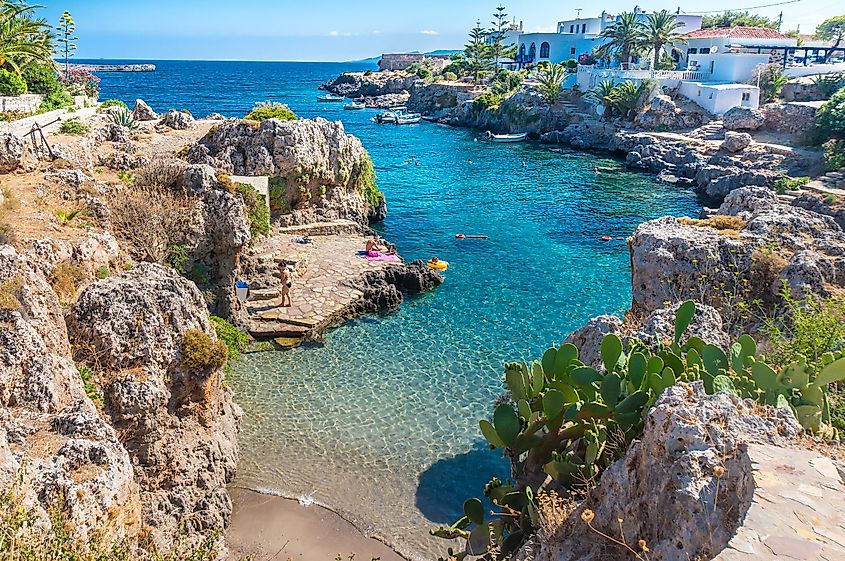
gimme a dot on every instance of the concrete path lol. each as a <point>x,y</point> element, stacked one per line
<point>798,509</point>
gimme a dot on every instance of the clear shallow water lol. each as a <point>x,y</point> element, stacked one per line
<point>380,423</point>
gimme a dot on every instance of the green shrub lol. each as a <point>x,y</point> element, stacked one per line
<point>829,84</point>
<point>783,184</point>
<point>450,76</point>
<point>199,273</point>
<point>366,180</point>
<point>487,100</point>
<point>257,211</point>
<point>234,339</point>
<point>123,117</point>
<point>41,79</point>
<point>772,81</point>
<point>74,127</point>
<point>201,352</point>
<point>90,387</point>
<point>834,154</point>
<point>264,111</point>
<point>113,103</point>
<point>572,64</point>
<point>11,83</point>
<point>177,258</point>
<point>59,99</point>
<point>830,120</point>
<point>102,272</point>
<point>278,195</point>
<point>569,422</point>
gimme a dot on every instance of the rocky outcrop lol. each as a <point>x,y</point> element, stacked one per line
<point>53,443</point>
<point>684,488</point>
<point>663,113</point>
<point>143,112</point>
<point>178,425</point>
<point>674,260</point>
<point>435,99</point>
<point>383,290</point>
<point>793,117</point>
<point>586,133</point>
<point>321,173</point>
<point>12,150</point>
<point>370,84</point>
<point>179,120</point>
<point>743,118</point>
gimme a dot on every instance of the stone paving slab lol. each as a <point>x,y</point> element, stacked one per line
<point>797,512</point>
<point>321,289</point>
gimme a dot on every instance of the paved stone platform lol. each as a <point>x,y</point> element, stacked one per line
<point>321,294</point>
<point>797,512</point>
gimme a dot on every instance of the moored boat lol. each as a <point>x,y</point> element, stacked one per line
<point>386,117</point>
<point>354,106</point>
<point>408,118</point>
<point>519,137</point>
<point>330,98</point>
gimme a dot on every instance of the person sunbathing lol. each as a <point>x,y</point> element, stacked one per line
<point>372,247</point>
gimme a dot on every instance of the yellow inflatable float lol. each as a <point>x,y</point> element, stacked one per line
<point>438,264</point>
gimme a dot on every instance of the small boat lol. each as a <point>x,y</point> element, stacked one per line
<point>408,118</point>
<point>520,137</point>
<point>386,117</point>
<point>354,106</point>
<point>330,98</point>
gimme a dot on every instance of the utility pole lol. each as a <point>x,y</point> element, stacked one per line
<point>780,20</point>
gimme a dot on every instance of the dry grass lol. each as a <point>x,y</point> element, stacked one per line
<point>554,512</point>
<point>9,204</point>
<point>160,172</point>
<point>226,183</point>
<point>9,294</point>
<point>726,225</point>
<point>66,279</point>
<point>150,219</point>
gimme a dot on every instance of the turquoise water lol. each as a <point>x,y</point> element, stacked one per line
<point>380,422</point>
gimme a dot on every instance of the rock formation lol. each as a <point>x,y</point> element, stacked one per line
<point>179,120</point>
<point>143,112</point>
<point>321,173</point>
<point>684,488</point>
<point>372,84</point>
<point>12,149</point>
<point>743,118</point>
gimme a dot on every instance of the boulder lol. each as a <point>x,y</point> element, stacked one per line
<point>792,117</point>
<point>12,150</point>
<point>736,141</point>
<point>743,118</point>
<point>589,337</point>
<point>179,120</point>
<point>215,117</point>
<point>684,488</point>
<point>143,112</point>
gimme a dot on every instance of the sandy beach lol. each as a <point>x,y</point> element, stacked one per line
<point>269,528</point>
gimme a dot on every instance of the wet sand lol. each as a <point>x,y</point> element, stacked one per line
<point>269,528</point>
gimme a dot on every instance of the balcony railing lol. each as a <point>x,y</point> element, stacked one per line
<point>613,73</point>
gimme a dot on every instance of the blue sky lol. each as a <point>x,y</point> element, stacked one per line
<point>332,29</point>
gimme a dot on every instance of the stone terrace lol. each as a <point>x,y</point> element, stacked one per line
<point>322,293</point>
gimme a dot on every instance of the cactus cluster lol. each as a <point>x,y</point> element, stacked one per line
<point>562,414</point>
<point>123,117</point>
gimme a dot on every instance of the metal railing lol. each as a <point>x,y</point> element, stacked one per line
<point>612,73</point>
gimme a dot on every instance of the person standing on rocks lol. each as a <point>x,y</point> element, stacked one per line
<point>287,283</point>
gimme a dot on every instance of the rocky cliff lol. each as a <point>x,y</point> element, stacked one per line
<point>371,84</point>
<point>136,444</point>
<point>319,173</point>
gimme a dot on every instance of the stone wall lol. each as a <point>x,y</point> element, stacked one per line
<point>27,103</point>
<point>399,61</point>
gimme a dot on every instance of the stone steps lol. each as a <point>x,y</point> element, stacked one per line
<point>263,330</point>
<point>335,227</point>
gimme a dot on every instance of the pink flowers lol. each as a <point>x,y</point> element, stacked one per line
<point>79,81</point>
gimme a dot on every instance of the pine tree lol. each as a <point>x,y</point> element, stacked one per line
<point>497,33</point>
<point>479,59</point>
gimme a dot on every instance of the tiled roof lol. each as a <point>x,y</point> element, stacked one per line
<point>745,32</point>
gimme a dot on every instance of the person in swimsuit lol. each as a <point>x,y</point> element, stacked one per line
<point>287,284</point>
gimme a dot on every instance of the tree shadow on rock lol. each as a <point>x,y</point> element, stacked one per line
<point>446,484</point>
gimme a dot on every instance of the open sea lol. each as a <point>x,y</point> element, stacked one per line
<point>381,422</point>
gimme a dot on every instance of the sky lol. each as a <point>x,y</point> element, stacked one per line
<point>334,30</point>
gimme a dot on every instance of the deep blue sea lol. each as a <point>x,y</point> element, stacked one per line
<point>380,423</point>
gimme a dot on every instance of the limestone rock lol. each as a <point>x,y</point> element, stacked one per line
<point>736,141</point>
<point>215,117</point>
<point>323,169</point>
<point>589,337</point>
<point>178,425</point>
<point>143,112</point>
<point>12,150</point>
<point>707,325</point>
<point>791,117</point>
<point>383,289</point>
<point>683,488</point>
<point>663,112</point>
<point>373,84</point>
<point>179,120</point>
<point>743,118</point>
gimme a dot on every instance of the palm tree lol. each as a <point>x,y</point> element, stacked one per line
<point>23,38</point>
<point>602,94</point>
<point>625,38</point>
<point>550,78</point>
<point>658,32</point>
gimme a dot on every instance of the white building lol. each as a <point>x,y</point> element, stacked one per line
<point>718,98</point>
<point>736,40</point>
<point>579,36</point>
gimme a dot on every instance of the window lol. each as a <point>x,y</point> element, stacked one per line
<point>692,52</point>
<point>584,28</point>
<point>544,50</point>
<point>532,52</point>
<point>522,51</point>
<point>746,96</point>
<point>572,51</point>
<point>710,96</point>
<point>572,29</point>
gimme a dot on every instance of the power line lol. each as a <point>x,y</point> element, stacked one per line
<point>743,9</point>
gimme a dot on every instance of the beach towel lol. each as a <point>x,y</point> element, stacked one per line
<point>380,257</point>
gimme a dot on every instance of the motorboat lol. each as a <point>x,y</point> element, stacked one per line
<point>387,117</point>
<point>328,98</point>
<point>354,106</point>
<point>519,137</point>
<point>408,118</point>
